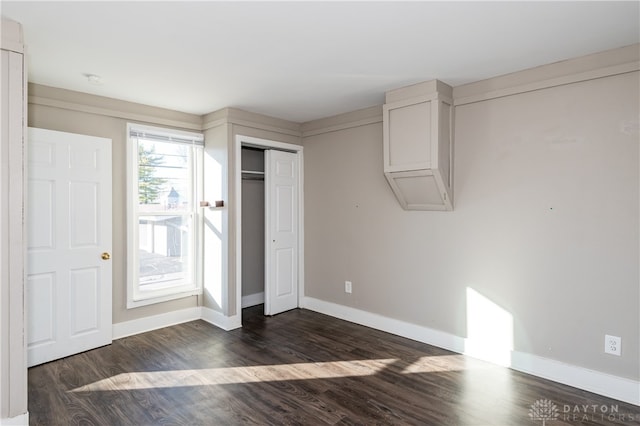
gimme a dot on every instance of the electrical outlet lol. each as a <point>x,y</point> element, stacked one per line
<point>347,286</point>
<point>612,345</point>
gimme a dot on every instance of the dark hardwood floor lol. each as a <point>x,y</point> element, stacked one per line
<point>298,367</point>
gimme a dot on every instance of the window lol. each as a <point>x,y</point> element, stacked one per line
<point>164,182</point>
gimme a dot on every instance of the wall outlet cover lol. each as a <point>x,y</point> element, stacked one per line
<point>612,345</point>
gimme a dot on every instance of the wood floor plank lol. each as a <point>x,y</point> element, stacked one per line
<point>296,368</point>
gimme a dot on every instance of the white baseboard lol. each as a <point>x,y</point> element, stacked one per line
<point>390,325</point>
<point>129,328</point>
<point>220,320</point>
<point>21,420</point>
<point>142,325</point>
<point>608,385</point>
<point>252,299</point>
<point>604,384</point>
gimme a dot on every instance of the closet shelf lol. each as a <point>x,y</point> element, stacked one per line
<point>252,172</point>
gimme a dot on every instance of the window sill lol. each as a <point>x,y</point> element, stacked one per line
<point>132,304</point>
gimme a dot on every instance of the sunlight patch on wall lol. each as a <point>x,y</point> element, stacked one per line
<point>213,232</point>
<point>489,330</point>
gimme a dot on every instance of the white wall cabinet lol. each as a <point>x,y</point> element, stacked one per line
<point>418,154</point>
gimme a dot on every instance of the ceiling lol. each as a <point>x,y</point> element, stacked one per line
<point>301,60</point>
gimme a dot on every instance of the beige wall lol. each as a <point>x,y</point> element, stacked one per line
<point>545,225</point>
<point>73,112</point>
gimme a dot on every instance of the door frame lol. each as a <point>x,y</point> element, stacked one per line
<point>251,141</point>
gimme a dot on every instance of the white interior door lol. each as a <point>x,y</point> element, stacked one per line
<point>69,244</point>
<point>281,226</point>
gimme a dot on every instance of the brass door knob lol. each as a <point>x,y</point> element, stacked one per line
<point>106,256</point>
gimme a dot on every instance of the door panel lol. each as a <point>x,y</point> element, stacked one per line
<point>41,289</point>
<point>284,207</point>
<point>68,228</point>
<point>84,291</point>
<point>40,214</point>
<point>284,269</point>
<point>83,214</point>
<point>281,208</point>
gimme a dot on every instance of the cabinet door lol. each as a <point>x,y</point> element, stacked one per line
<point>408,136</point>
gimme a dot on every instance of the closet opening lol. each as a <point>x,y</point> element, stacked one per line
<point>269,220</point>
<point>253,218</point>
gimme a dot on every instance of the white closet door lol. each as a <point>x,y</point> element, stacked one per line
<point>69,244</point>
<point>281,245</point>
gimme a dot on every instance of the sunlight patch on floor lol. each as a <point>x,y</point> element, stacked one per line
<point>232,375</point>
<point>275,373</point>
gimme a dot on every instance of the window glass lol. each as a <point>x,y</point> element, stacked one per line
<point>164,183</point>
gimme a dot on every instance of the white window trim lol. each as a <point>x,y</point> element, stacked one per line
<point>132,218</point>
